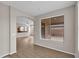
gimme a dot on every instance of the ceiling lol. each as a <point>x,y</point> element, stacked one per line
<point>35,8</point>
<point>22,20</point>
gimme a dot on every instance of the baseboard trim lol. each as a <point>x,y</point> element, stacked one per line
<point>4,55</point>
<point>55,49</point>
<point>12,52</point>
<point>7,53</point>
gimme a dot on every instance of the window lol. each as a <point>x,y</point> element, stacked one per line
<point>53,28</point>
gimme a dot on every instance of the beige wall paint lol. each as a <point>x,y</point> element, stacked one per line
<point>68,45</point>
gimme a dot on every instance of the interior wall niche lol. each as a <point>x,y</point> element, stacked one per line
<point>53,28</point>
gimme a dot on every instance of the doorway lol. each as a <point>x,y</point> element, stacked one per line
<point>25,35</point>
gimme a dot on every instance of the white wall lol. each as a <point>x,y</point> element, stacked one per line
<point>4,30</point>
<point>68,45</point>
<point>14,13</point>
<point>77,30</point>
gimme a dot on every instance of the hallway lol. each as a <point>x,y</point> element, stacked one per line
<point>26,49</point>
